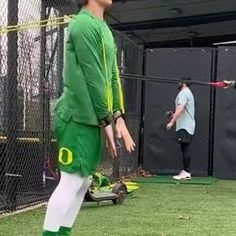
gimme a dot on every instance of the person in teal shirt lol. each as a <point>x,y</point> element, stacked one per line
<point>184,120</point>
<point>91,101</point>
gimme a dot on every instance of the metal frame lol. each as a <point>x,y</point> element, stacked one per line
<point>191,42</point>
<point>12,176</point>
<point>214,63</point>
<point>177,22</point>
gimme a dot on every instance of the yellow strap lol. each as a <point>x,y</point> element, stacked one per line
<point>35,140</point>
<point>121,98</point>
<point>108,89</point>
<point>53,21</point>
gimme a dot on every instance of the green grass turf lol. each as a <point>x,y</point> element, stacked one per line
<point>155,210</point>
<point>166,179</point>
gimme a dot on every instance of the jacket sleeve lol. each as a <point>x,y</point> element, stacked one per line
<point>118,100</point>
<point>87,38</point>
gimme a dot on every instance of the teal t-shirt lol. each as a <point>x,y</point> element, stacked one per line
<point>187,119</point>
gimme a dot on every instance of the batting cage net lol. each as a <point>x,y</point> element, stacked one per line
<point>32,36</point>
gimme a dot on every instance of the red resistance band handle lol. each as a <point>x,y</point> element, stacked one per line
<point>219,84</point>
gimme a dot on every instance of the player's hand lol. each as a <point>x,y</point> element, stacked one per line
<point>169,125</point>
<point>229,83</point>
<point>122,132</point>
<point>110,143</point>
<point>169,114</point>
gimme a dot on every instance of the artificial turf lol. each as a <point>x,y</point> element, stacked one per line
<point>155,210</point>
<point>167,179</point>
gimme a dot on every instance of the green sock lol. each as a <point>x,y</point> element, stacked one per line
<point>49,233</point>
<point>64,231</point>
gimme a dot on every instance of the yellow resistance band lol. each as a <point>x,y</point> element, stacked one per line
<point>55,21</point>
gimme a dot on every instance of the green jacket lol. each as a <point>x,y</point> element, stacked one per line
<point>92,90</point>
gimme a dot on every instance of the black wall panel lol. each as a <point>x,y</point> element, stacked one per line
<point>225,117</point>
<point>161,153</point>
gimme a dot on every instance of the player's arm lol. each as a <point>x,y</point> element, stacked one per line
<point>118,110</point>
<point>179,110</point>
<point>182,101</point>
<point>88,42</point>
<point>118,99</point>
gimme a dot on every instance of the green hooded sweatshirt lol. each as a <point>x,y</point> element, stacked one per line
<point>92,90</point>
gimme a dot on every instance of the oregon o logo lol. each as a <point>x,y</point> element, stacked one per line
<point>67,154</point>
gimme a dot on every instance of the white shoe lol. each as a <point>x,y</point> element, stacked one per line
<point>183,175</point>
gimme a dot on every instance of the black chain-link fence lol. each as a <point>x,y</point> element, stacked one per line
<point>31,62</point>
